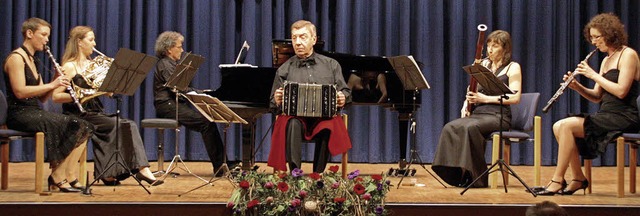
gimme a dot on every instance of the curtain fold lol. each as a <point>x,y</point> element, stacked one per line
<point>547,42</point>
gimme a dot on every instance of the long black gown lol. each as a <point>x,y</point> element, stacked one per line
<point>62,132</point>
<point>459,157</point>
<point>104,138</point>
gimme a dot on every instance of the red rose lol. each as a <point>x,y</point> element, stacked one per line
<point>359,189</point>
<point>339,199</point>
<point>314,176</point>
<point>244,184</point>
<point>358,179</point>
<point>334,168</point>
<point>253,203</point>
<point>283,186</point>
<point>376,177</point>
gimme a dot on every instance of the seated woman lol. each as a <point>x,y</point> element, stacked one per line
<point>66,136</point>
<point>459,157</point>
<point>615,89</point>
<point>76,63</point>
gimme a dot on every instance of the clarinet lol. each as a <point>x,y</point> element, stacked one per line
<point>59,71</point>
<point>564,85</point>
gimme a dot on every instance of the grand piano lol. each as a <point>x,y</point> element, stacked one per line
<point>371,78</point>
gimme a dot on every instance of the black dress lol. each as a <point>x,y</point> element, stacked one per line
<point>615,116</point>
<point>459,157</point>
<point>62,132</point>
<point>104,138</point>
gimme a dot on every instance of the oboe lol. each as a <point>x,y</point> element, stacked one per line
<point>59,71</point>
<point>564,85</point>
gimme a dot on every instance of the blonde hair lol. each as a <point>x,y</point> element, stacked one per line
<point>71,49</point>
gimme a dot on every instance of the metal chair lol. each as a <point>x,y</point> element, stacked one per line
<point>161,124</point>
<point>523,120</point>
<point>633,139</point>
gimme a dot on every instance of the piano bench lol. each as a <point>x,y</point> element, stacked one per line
<point>161,124</point>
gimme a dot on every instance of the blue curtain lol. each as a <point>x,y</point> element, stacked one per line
<point>546,36</point>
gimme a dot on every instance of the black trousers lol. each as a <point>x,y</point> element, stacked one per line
<point>294,141</point>
<point>193,120</point>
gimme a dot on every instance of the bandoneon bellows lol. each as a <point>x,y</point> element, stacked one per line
<point>309,100</point>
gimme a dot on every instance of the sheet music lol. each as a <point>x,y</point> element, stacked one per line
<point>237,65</point>
<point>213,109</point>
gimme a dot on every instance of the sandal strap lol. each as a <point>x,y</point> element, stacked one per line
<point>59,184</point>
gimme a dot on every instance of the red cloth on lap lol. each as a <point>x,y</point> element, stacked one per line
<point>339,141</point>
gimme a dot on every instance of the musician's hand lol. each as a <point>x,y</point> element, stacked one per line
<point>585,70</point>
<point>463,111</point>
<point>573,84</point>
<point>61,81</point>
<point>277,96</point>
<point>476,97</point>
<point>341,99</point>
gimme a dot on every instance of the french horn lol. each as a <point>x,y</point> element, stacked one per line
<point>94,75</point>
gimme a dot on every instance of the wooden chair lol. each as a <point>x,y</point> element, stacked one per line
<point>8,135</point>
<point>633,140</point>
<point>523,119</point>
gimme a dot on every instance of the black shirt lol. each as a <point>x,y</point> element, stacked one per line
<point>164,68</point>
<point>316,69</point>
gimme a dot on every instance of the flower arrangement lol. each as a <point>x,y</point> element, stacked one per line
<point>259,193</point>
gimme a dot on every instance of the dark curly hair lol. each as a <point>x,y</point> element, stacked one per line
<point>611,28</point>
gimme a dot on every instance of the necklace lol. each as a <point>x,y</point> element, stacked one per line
<point>27,51</point>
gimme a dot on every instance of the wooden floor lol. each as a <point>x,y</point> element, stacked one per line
<point>21,189</point>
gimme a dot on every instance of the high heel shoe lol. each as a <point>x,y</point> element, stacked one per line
<point>114,182</point>
<point>76,184</point>
<point>53,184</point>
<point>583,187</point>
<point>547,192</point>
<point>148,180</point>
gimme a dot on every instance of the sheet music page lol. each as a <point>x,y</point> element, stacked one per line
<point>236,65</point>
<point>418,67</point>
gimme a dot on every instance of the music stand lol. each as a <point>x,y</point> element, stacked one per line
<point>127,71</point>
<point>412,79</point>
<point>215,111</point>
<point>493,86</point>
<point>179,81</point>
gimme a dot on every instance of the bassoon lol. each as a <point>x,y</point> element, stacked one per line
<point>473,83</point>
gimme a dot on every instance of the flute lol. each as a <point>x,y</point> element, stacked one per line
<point>69,88</point>
<point>564,85</point>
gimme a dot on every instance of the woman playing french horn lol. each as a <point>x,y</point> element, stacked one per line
<point>615,90</point>
<point>76,62</point>
<point>459,157</point>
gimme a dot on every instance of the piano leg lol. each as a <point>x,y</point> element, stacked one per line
<point>402,144</point>
<point>248,145</point>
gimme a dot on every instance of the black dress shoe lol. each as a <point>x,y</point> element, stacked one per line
<point>148,180</point>
<point>114,182</point>
<point>52,185</point>
<point>75,184</point>
<point>583,187</point>
<point>547,192</point>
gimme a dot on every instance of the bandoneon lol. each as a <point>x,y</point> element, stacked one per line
<point>309,100</point>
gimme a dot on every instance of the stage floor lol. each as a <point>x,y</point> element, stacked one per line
<point>604,190</point>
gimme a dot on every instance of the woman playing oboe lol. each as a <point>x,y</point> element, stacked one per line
<point>615,90</point>
<point>65,136</point>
